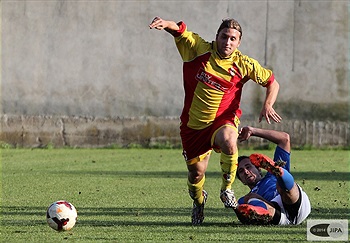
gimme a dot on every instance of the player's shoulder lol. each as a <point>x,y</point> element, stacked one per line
<point>243,59</point>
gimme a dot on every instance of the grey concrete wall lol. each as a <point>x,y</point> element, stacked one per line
<point>99,58</point>
<point>51,131</point>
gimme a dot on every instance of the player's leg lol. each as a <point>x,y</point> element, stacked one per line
<point>196,179</point>
<point>196,151</point>
<point>285,181</point>
<point>226,140</point>
<point>296,203</point>
<point>294,213</point>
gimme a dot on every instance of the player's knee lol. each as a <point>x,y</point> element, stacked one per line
<point>227,140</point>
<point>228,147</point>
<point>231,147</point>
<point>195,176</point>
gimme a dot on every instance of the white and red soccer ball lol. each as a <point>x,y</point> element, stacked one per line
<point>61,215</point>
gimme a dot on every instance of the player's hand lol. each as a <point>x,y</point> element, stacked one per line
<point>269,113</point>
<point>158,23</point>
<point>245,133</point>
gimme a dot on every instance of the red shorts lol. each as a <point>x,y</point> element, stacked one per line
<point>198,143</point>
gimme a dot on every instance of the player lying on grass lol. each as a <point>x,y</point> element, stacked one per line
<point>274,198</point>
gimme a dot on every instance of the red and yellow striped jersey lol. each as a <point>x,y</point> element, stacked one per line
<point>212,84</point>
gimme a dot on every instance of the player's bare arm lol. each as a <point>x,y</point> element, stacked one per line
<point>280,138</point>
<point>268,111</point>
<point>160,24</point>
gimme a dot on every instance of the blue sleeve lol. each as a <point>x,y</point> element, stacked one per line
<point>241,200</point>
<point>281,154</point>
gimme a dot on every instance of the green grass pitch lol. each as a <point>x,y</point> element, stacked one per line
<point>135,195</point>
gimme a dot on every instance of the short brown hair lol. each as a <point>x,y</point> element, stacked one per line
<point>232,24</point>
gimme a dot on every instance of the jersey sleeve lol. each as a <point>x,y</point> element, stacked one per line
<point>251,68</point>
<point>241,200</point>
<point>189,44</point>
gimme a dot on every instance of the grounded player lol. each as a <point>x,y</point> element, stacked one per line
<point>274,198</point>
<point>214,74</point>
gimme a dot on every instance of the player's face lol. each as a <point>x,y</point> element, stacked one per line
<point>248,173</point>
<point>227,41</point>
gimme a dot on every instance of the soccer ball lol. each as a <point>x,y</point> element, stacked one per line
<point>61,215</point>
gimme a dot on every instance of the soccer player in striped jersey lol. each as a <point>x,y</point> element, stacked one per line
<point>214,74</point>
<point>274,198</point>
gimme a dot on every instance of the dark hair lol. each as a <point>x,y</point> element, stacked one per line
<point>232,24</point>
<point>242,157</point>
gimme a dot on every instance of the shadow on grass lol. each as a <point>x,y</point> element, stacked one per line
<point>150,217</point>
<point>327,176</point>
<point>330,213</point>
